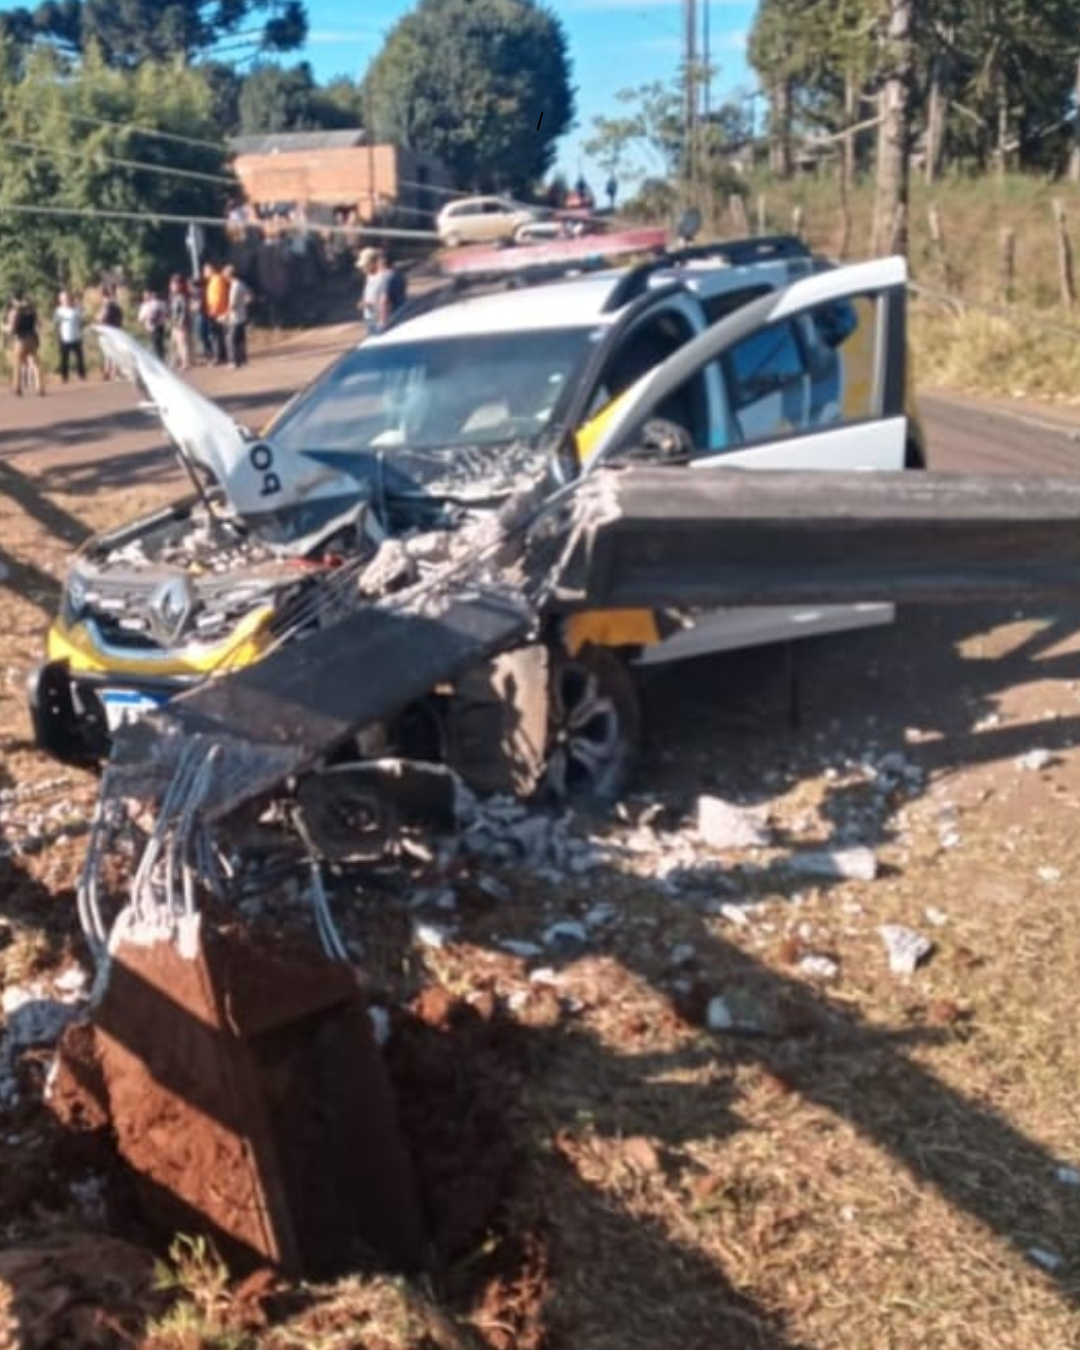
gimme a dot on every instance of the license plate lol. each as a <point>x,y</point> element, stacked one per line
<point>127,705</point>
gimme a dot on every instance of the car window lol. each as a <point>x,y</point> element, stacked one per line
<point>727,302</point>
<point>476,389</point>
<point>812,370</point>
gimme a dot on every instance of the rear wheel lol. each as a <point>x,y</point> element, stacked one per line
<point>595,726</point>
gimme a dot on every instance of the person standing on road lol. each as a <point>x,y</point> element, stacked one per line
<point>110,315</point>
<point>216,309</point>
<point>237,317</point>
<point>179,323</point>
<point>376,303</point>
<point>68,322</point>
<point>21,326</point>
<point>154,315</point>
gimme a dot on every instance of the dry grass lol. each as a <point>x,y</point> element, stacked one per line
<point>1021,339</point>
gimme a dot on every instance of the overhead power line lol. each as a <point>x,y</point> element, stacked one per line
<point>37,147</point>
<point>166,217</point>
<point>144,131</point>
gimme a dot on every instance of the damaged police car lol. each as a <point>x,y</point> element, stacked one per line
<point>752,354</point>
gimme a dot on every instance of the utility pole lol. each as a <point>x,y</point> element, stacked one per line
<point>690,110</point>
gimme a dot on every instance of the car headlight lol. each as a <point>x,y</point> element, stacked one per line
<point>74,598</point>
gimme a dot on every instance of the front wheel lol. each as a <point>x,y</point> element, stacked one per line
<point>594,726</point>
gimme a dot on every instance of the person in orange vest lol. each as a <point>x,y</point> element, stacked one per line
<point>216,308</point>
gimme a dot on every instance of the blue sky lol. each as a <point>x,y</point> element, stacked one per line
<point>614,44</point>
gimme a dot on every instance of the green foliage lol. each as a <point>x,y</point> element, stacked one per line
<point>128,32</point>
<point>276,99</point>
<point>81,141</point>
<point>652,123</point>
<point>468,80</point>
<point>1006,69</point>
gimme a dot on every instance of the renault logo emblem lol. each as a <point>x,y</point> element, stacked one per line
<point>170,608</point>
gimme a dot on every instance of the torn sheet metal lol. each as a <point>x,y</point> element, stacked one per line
<point>661,537</point>
<point>258,479</point>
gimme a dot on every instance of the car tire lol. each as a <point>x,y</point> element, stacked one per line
<point>594,727</point>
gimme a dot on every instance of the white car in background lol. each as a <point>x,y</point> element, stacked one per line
<point>482,220</point>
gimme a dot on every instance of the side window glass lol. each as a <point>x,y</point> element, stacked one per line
<point>814,370</point>
<point>762,364</point>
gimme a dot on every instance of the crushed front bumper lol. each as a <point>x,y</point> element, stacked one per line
<point>74,715</point>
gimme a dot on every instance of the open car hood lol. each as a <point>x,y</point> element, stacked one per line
<point>290,499</point>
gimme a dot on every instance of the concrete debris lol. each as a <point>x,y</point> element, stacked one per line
<point>819,967</point>
<point>1050,875</point>
<point>1068,1176</point>
<point>905,947</point>
<point>738,1012</point>
<point>722,825</point>
<point>1034,760</point>
<point>735,914</point>
<point>431,935</point>
<point>841,864</point>
<point>545,975</point>
<point>566,935</point>
<point>937,918</point>
<point>525,950</point>
<point>492,886</point>
<point>34,1016</point>
<point>601,914</point>
<point>1047,1260</point>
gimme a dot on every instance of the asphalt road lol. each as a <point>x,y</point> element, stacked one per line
<point>967,435</point>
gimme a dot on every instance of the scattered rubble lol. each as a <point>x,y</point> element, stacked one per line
<point>845,864</point>
<point>1033,761</point>
<point>722,825</point>
<point>905,947</point>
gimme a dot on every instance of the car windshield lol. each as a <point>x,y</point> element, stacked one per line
<point>467,391</point>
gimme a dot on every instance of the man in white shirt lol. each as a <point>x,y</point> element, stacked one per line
<point>68,321</point>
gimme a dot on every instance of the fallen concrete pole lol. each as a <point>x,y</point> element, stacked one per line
<point>240,1079</point>
<point>669,536</point>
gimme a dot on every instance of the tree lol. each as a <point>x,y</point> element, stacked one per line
<point>483,84</point>
<point>128,32</point>
<point>652,124</point>
<point>273,98</point>
<point>86,142</point>
<point>894,133</point>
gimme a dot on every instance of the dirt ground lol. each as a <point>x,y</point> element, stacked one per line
<point>656,1092</point>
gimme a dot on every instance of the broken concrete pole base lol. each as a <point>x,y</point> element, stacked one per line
<point>246,1094</point>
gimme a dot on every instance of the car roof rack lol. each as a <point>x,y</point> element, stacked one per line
<point>734,252</point>
<point>631,283</point>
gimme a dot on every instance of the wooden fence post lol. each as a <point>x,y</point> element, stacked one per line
<point>1065,261</point>
<point>937,237</point>
<point>796,220</point>
<point>1007,275</point>
<point>737,208</point>
<point>762,218</point>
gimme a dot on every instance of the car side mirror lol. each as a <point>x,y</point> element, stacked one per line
<point>657,441</point>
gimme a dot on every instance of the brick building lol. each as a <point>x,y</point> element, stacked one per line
<point>325,173</point>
